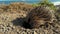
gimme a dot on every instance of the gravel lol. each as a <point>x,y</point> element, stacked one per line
<point>11,23</point>
<point>8,27</point>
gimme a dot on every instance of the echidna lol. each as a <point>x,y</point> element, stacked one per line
<point>39,16</point>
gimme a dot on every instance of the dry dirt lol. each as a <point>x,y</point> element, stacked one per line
<point>12,19</point>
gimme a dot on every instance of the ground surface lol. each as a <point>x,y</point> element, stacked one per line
<point>11,23</point>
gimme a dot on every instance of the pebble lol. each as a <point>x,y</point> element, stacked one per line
<point>1,33</point>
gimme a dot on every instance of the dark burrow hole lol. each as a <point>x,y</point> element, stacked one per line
<point>27,25</point>
<point>21,22</point>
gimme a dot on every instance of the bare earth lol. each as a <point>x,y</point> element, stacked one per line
<point>11,21</point>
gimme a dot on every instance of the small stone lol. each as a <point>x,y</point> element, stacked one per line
<point>13,27</point>
<point>1,33</point>
<point>35,32</point>
<point>23,32</point>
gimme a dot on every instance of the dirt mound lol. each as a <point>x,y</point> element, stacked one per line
<point>13,7</point>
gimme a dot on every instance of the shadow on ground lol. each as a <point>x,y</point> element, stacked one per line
<point>21,22</point>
